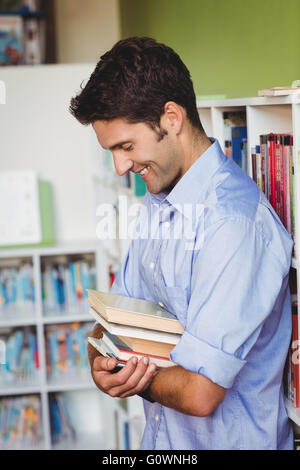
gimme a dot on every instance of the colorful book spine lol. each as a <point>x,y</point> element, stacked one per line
<point>274,175</point>
<point>271,168</point>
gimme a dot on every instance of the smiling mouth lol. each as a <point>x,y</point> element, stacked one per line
<point>144,171</point>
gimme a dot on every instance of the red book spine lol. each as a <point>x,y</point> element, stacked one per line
<point>263,173</point>
<point>271,169</point>
<point>278,207</point>
<point>282,182</point>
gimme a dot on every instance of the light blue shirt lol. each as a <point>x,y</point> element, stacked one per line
<point>226,280</point>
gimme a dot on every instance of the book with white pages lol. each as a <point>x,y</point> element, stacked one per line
<point>133,312</point>
<point>133,332</point>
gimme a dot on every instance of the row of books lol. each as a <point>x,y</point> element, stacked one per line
<point>66,350</point>
<point>20,422</point>
<point>272,169</point>
<point>291,376</point>
<point>64,285</point>
<point>133,327</point>
<point>17,287</point>
<point>21,35</point>
<point>62,429</point>
<point>21,356</point>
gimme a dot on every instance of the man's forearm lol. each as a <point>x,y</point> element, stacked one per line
<point>185,391</point>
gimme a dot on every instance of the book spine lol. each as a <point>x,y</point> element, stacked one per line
<point>263,169</point>
<point>271,169</point>
<point>253,159</point>
<point>258,167</point>
<point>287,185</point>
<point>277,158</point>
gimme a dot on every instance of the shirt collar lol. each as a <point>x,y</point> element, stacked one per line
<point>193,185</point>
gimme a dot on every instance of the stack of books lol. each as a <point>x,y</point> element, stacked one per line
<point>133,327</point>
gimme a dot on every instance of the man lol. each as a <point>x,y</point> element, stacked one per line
<point>225,278</point>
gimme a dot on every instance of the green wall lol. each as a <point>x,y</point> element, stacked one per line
<point>231,47</point>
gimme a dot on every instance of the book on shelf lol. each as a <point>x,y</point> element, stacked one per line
<point>133,312</point>
<point>11,40</point>
<point>279,91</point>
<point>20,422</point>
<point>16,287</point>
<point>66,350</point>
<point>62,429</point>
<point>21,356</point>
<point>64,284</point>
<point>115,347</point>
<point>235,137</point>
<point>273,171</point>
<point>238,139</point>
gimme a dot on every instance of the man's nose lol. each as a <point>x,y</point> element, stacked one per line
<point>122,164</point>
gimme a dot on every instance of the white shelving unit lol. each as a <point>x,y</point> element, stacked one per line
<point>264,115</point>
<point>93,408</point>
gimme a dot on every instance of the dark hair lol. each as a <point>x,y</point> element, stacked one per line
<point>133,81</point>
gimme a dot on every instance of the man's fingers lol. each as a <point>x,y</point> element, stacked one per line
<point>104,363</point>
<point>133,381</point>
<point>143,383</point>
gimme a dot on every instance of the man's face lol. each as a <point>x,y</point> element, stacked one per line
<point>136,147</point>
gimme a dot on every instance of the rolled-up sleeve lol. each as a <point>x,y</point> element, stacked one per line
<point>236,283</point>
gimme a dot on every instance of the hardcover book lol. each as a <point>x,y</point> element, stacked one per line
<point>279,91</point>
<point>148,347</point>
<point>115,347</point>
<point>133,332</point>
<point>133,312</point>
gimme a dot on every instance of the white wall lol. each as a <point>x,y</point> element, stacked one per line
<point>85,29</point>
<point>38,132</point>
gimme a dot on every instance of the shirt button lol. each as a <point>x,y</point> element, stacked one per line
<point>156,418</point>
<point>151,265</point>
<point>161,304</point>
<point>167,224</point>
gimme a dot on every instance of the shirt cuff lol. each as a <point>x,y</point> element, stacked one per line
<point>196,355</point>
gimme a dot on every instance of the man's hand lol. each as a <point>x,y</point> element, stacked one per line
<point>132,379</point>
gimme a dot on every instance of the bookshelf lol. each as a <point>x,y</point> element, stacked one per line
<point>38,21</point>
<point>263,115</point>
<point>90,410</point>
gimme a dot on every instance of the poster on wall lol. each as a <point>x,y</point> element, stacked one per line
<point>19,208</point>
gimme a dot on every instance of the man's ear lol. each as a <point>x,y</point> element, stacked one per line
<point>173,117</point>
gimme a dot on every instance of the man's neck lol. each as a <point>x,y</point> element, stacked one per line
<point>196,144</point>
